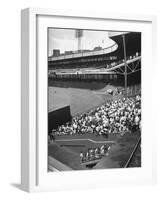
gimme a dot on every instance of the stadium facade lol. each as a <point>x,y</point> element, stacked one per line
<point>101,64</point>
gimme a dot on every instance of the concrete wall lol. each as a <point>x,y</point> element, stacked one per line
<point>58,117</point>
<point>104,77</point>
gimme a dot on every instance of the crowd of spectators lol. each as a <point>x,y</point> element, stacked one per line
<point>88,67</point>
<point>113,64</point>
<point>116,117</point>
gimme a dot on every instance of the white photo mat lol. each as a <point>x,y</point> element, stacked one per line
<point>39,179</point>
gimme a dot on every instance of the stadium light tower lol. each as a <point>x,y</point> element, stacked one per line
<point>125,61</point>
<point>79,34</point>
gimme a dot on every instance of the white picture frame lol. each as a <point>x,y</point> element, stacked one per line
<point>34,23</point>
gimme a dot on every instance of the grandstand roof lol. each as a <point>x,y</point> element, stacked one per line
<point>132,41</point>
<point>114,34</point>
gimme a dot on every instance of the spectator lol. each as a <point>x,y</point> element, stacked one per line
<point>111,118</point>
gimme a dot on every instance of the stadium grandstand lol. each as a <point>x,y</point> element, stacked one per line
<point>94,113</point>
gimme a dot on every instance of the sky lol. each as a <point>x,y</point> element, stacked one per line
<point>65,40</point>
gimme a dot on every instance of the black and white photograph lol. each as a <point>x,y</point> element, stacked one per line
<point>94,99</point>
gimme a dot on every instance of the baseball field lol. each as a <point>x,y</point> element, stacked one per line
<point>82,97</point>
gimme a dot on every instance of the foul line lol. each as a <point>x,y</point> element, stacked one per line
<point>68,140</point>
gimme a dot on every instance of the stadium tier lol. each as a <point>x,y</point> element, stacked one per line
<point>102,57</point>
<point>101,65</point>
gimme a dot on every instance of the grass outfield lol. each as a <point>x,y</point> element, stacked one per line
<point>79,98</point>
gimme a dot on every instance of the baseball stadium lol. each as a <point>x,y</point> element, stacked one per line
<point>94,103</point>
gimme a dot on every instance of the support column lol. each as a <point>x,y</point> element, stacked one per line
<point>125,61</point>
